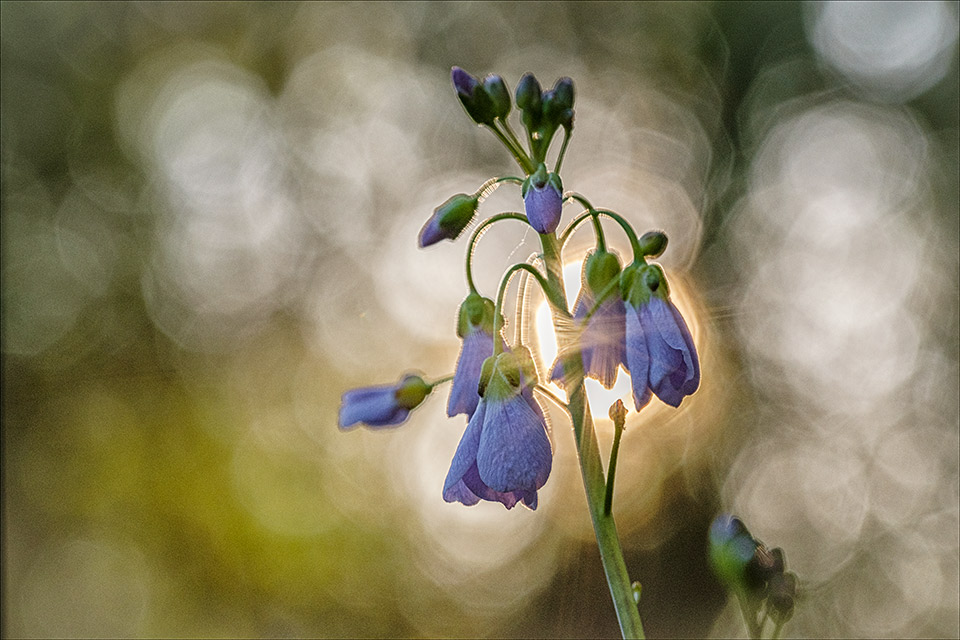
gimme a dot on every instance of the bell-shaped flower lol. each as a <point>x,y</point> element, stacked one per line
<point>601,339</point>
<point>382,406</point>
<point>449,219</point>
<point>543,200</point>
<point>504,455</point>
<point>660,354</point>
<point>475,327</point>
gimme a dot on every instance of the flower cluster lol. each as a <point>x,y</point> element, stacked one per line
<point>756,574</point>
<point>624,315</point>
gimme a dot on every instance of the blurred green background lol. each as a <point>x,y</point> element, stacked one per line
<point>209,232</point>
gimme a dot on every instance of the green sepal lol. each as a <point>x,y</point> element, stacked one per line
<point>639,282</point>
<point>475,311</point>
<point>553,179</point>
<point>411,392</point>
<point>600,268</point>
<point>486,372</point>
<point>457,212</point>
<point>508,371</point>
<point>653,243</point>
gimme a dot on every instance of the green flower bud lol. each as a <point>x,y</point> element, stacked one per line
<point>499,95</point>
<point>449,219</point>
<point>529,101</point>
<point>474,98</point>
<point>653,243</point>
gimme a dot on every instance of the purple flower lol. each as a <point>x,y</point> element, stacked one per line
<point>661,356</point>
<point>543,200</point>
<point>449,219</point>
<point>601,342</point>
<point>382,406</point>
<point>475,326</point>
<point>504,455</point>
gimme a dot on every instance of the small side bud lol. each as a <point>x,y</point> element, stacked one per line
<point>653,243</point>
<point>618,413</point>
<point>781,597</point>
<point>449,219</point>
<point>499,95</point>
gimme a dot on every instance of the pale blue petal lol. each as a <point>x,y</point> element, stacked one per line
<point>466,455</point>
<point>514,451</point>
<point>473,482</point>
<point>603,342</point>
<point>693,376</point>
<point>373,406</point>
<point>638,358</point>
<point>477,347</point>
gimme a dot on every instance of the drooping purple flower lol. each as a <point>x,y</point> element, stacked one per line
<point>660,354</point>
<point>543,200</point>
<point>601,341</point>
<point>384,405</point>
<point>504,455</point>
<point>475,326</point>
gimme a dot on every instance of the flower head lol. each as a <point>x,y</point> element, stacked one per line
<point>382,406</point>
<point>543,200</point>
<point>661,355</point>
<point>475,327</point>
<point>504,455</point>
<point>601,342</point>
<point>449,219</point>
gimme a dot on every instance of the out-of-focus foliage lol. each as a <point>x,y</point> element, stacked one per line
<point>209,231</point>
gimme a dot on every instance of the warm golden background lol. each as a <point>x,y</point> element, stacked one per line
<point>209,228</point>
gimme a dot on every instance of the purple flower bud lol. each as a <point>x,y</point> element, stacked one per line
<point>473,96</point>
<point>382,406</point>
<point>449,219</point>
<point>543,200</point>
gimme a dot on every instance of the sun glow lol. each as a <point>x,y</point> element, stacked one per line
<point>599,397</point>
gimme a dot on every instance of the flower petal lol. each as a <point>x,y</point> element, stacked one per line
<point>603,342</point>
<point>638,358</point>
<point>477,347</point>
<point>465,456</point>
<point>514,451</point>
<point>373,406</point>
<point>543,206</point>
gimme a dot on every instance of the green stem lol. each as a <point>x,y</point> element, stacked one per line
<point>510,133</point>
<point>591,467</point>
<point>557,401</point>
<point>518,153</point>
<point>563,151</point>
<point>618,421</point>
<point>440,381</point>
<point>479,232</point>
<point>616,217</point>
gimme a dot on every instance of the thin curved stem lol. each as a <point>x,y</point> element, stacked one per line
<point>517,152</point>
<point>613,215</point>
<point>612,467</point>
<point>510,133</point>
<point>553,397</point>
<point>563,150</point>
<point>439,381</point>
<point>471,245</point>
<point>548,291</point>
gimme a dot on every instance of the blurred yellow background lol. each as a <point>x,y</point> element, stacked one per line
<point>209,223</point>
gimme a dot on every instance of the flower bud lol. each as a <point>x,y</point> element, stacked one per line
<point>558,105</point>
<point>781,597</point>
<point>449,219</point>
<point>730,550</point>
<point>473,97</point>
<point>499,95</point>
<point>653,243</point>
<point>601,268</point>
<point>529,101</point>
<point>543,199</point>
